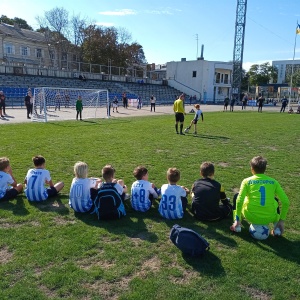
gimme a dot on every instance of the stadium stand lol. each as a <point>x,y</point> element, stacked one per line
<point>15,88</point>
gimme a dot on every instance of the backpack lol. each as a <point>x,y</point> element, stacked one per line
<point>108,203</point>
<point>188,241</point>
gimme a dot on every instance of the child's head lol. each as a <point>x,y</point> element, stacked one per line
<point>108,172</point>
<point>173,175</point>
<point>207,169</point>
<point>81,169</point>
<point>139,172</point>
<point>38,160</point>
<point>197,106</point>
<point>4,163</point>
<point>258,165</point>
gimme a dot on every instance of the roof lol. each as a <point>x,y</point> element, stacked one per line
<point>15,31</point>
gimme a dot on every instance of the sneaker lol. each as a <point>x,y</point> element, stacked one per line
<point>177,132</point>
<point>276,232</point>
<point>186,130</point>
<point>181,133</point>
<point>195,132</point>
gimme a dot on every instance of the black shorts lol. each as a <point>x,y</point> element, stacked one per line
<point>195,121</point>
<point>179,117</point>
<point>10,194</point>
<point>51,191</point>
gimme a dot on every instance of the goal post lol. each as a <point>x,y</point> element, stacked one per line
<point>54,103</point>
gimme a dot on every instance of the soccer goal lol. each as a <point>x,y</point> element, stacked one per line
<point>53,103</point>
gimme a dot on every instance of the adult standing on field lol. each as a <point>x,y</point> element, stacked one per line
<point>284,102</point>
<point>2,104</point>
<point>244,101</point>
<point>125,100</point>
<point>27,101</point>
<point>260,100</point>
<point>152,103</point>
<point>178,109</point>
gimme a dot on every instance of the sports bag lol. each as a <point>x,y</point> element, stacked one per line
<point>188,241</point>
<point>108,203</point>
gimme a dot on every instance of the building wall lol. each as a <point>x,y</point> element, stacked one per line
<point>199,77</point>
<point>284,68</point>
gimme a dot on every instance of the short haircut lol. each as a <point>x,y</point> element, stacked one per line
<point>108,172</point>
<point>258,164</point>
<point>4,163</point>
<point>197,106</point>
<point>173,175</point>
<point>38,160</point>
<point>139,172</point>
<point>81,169</point>
<point>207,169</point>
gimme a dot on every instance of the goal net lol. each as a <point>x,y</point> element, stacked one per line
<point>52,103</point>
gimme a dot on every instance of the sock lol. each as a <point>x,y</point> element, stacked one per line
<point>176,127</point>
<point>181,127</point>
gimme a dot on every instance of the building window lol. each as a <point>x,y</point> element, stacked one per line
<point>24,51</point>
<point>64,56</point>
<point>39,53</point>
<point>194,73</point>
<point>51,54</point>
<point>218,76</point>
<point>226,79</point>
<point>222,78</point>
<point>9,49</point>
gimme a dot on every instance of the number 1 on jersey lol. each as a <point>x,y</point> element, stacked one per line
<point>262,191</point>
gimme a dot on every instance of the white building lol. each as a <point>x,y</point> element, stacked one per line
<point>284,68</point>
<point>208,80</point>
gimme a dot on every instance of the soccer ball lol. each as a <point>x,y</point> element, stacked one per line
<point>186,130</point>
<point>259,232</point>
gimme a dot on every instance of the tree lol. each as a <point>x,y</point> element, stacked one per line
<point>262,74</point>
<point>20,22</point>
<point>295,80</point>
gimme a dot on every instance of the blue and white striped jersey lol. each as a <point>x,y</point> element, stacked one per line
<point>80,194</point>
<point>5,180</point>
<point>36,179</point>
<point>170,205</point>
<point>140,192</point>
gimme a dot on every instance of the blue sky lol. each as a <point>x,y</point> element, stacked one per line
<point>167,29</point>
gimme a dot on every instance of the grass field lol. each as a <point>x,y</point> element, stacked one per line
<point>48,252</point>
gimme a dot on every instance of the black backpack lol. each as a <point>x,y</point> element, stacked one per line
<point>108,203</point>
<point>188,241</point>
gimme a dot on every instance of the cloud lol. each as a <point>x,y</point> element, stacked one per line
<point>162,11</point>
<point>120,12</point>
<point>247,65</point>
<point>105,24</point>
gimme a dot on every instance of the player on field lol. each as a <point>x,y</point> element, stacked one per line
<point>198,113</point>
<point>9,188</point>
<point>207,194</point>
<point>36,179</point>
<point>173,197</point>
<point>178,109</point>
<point>83,190</point>
<point>256,200</point>
<point>79,108</point>
<point>143,192</point>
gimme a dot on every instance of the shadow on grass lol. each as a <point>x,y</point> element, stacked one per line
<point>208,264</point>
<point>210,137</point>
<point>51,205</point>
<point>89,122</point>
<point>132,225</point>
<point>16,206</point>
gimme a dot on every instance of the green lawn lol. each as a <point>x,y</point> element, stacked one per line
<point>48,252</point>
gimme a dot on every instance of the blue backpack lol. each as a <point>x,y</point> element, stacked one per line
<point>108,203</point>
<point>188,241</point>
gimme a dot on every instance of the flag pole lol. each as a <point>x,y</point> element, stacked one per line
<point>291,82</point>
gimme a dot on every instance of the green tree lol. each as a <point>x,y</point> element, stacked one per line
<point>20,22</point>
<point>295,79</point>
<point>262,74</point>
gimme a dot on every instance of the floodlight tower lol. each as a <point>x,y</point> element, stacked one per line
<point>238,49</point>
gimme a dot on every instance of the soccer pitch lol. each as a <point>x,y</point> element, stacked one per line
<point>48,252</point>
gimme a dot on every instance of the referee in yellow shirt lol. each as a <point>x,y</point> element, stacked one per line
<point>178,109</point>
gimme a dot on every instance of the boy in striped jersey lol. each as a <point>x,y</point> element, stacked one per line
<point>142,191</point>
<point>37,178</point>
<point>9,188</point>
<point>198,113</point>
<point>173,197</point>
<point>83,190</point>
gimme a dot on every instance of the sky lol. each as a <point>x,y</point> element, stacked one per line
<point>169,30</point>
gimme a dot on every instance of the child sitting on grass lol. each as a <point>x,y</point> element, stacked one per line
<point>83,190</point>
<point>9,188</point>
<point>206,195</point>
<point>256,200</point>
<point>142,191</point>
<point>36,179</point>
<point>198,113</point>
<point>173,197</point>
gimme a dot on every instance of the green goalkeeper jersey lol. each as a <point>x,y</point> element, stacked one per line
<point>256,200</point>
